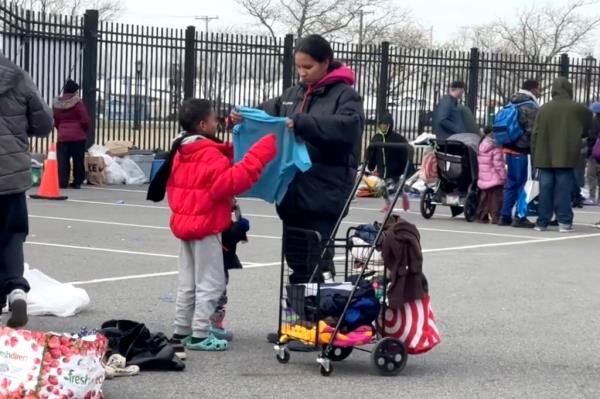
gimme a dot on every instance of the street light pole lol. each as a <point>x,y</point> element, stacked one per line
<point>206,20</point>
<point>361,17</point>
<point>138,94</point>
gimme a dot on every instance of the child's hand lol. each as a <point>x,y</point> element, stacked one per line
<point>236,117</point>
<point>290,124</point>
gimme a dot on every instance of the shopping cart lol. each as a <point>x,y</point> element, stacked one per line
<point>327,315</point>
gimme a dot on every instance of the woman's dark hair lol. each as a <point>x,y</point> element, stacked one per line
<point>71,87</point>
<point>318,48</point>
<point>192,112</point>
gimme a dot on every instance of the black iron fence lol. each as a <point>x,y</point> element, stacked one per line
<point>134,77</point>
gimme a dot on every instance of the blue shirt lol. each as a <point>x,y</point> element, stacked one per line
<point>292,154</point>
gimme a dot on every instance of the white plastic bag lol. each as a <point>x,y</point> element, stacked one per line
<point>133,173</point>
<point>114,173</point>
<point>97,150</point>
<point>50,297</point>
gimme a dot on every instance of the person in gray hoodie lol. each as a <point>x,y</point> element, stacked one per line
<point>23,114</point>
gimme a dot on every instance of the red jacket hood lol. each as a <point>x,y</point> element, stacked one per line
<point>341,74</point>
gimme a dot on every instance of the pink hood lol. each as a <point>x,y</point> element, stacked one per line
<point>492,169</point>
<point>341,74</point>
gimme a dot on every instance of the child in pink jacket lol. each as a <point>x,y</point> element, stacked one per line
<point>492,177</point>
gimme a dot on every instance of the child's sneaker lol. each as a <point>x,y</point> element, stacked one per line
<point>221,333</point>
<point>210,344</point>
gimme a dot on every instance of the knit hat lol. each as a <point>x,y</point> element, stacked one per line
<point>595,107</point>
<point>71,87</point>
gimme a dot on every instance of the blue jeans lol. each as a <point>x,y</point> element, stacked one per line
<point>515,181</point>
<point>556,187</point>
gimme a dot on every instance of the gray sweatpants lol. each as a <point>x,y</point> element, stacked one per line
<point>201,283</point>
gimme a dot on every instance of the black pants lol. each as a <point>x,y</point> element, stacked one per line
<point>301,256</point>
<point>66,151</point>
<point>14,228</point>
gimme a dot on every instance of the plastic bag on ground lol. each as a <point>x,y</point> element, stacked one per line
<point>51,297</point>
<point>114,173</point>
<point>97,150</point>
<point>133,173</point>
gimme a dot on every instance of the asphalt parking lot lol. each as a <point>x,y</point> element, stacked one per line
<point>517,309</point>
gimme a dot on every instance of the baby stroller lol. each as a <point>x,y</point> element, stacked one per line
<point>457,171</point>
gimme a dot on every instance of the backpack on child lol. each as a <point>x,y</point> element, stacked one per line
<point>507,129</point>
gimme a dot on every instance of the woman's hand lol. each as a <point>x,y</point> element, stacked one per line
<point>290,124</point>
<point>235,117</point>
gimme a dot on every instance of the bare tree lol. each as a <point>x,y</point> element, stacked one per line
<point>108,9</point>
<point>302,17</point>
<point>538,30</point>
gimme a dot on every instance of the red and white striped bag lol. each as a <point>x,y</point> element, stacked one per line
<point>413,324</point>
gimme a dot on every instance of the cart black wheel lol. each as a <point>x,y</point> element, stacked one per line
<point>471,204</point>
<point>389,357</point>
<point>326,372</point>
<point>283,359</point>
<point>427,208</point>
<point>338,353</point>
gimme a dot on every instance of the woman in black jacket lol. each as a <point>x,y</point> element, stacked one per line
<point>327,113</point>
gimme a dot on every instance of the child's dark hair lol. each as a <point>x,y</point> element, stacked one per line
<point>71,87</point>
<point>457,84</point>
<point>318,48</point>
<point>192,112</point>
<point>530,84</point>
<point>488,130</point>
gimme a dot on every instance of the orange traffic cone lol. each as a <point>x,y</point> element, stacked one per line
<point>49,188</point>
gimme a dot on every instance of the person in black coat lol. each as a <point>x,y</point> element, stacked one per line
<point>327,113</point>
<point>389,163</point>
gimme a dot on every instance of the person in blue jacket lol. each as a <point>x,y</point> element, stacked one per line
<point>327,113</point>
<point>447,116</point>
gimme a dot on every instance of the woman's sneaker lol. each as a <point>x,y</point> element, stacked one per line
<point>210,344</point>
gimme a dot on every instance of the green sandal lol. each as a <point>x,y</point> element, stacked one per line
<point>210,344</point>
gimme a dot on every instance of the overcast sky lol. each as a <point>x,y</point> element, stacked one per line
<point>445,16</point>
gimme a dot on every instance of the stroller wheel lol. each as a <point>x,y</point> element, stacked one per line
<point>338,353</point>
<point>389,357</point>
<point>471,203</point>
<point>427,207</point>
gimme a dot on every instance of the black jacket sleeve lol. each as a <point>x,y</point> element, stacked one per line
<point>372,152</point>
<point>39,114</point>
<point>343,127</point>
<point>272,106</point>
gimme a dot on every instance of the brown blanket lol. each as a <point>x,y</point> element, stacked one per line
<point>401,251</point>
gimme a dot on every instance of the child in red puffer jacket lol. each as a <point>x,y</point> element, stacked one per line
<point>492,177</point>
<point>201,188</point>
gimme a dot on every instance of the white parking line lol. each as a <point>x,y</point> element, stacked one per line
<point>267,264</point>
<point>142,226</point>
<point>257,215</point>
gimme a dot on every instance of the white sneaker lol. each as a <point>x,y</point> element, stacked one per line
<point>563,228</point>
<point>17,305</point>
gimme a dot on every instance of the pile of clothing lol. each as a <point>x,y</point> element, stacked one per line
<point>134,342</point>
